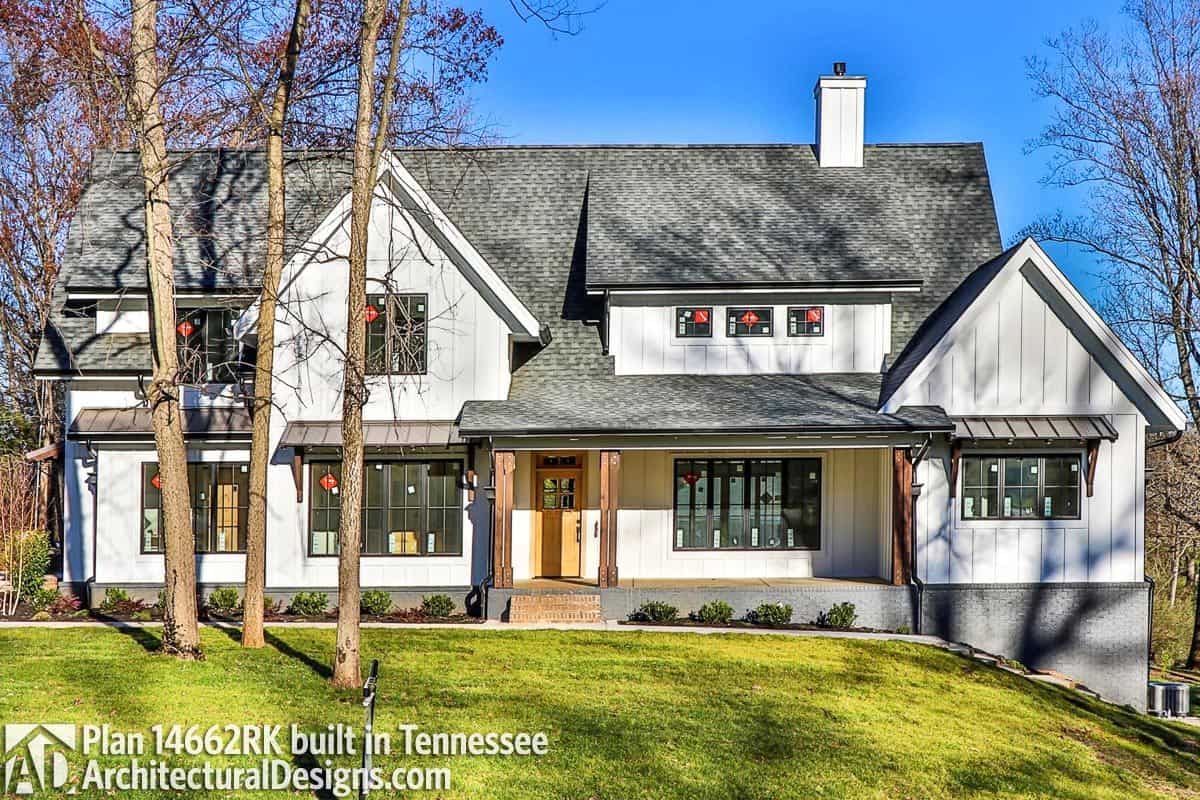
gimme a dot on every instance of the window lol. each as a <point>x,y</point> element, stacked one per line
<point>220,503</point>
<point>806,321</point>
<point>749,321</point>
<point>1020,487</point>
<point>693,322</point>
<point>409,508</point>
<point>396,342</point>
<point>208,351</point>
<point>754,504</point>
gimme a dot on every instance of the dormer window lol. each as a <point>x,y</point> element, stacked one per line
<point>693,322</point>
<point>396,343</point>
<point>749,321</point>
<point>806,321</point>
<point>207,349</point>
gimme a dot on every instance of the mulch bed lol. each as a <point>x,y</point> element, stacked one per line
<point>133,613</point>
<point>743,625</point>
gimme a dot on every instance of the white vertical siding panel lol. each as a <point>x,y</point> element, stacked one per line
<point>1054,554</point>
<point>866,510</point>
<point>1008,340</point>
<point>1100,518</point>
<point>939,517</point>
<point>962,554</point>
<point>1102,387</point>
<point>1056,355</point>
<point>983,561</point>
<point>1029,555</point>
<point>1008,555</point>
<point>1078,377</point>
<point>1124,499</point>
<point>1076,547</point>
<point>842,529</point>
<point>866,344</point>
<point>986,340</point>
<point>1033,343</point>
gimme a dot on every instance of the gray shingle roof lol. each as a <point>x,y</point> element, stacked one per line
<point>698,403</point>
<point>552,220</point>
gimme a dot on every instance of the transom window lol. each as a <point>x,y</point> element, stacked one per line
<point>1020,486</point>
<point>693,322</point>
<point>410,508</point>
<point>396,334</point>
<point>207,349</point>
<point>749,321</point>
<point>806,321</point>
<point>748,504</point>
<point>220,502</point>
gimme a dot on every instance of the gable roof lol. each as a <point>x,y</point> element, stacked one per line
<point>958,311</point>
<point>553,220</point>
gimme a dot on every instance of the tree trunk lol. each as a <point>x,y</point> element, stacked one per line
<point>181,635</point>
<point>260,436</point>
<point>346,669</point>
<point>1176,558</point>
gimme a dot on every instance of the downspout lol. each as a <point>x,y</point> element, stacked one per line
<point>914,578</point>
<point>93,484</point>
<point>490,493</point>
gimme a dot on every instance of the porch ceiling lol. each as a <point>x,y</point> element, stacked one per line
<point>664,404</point>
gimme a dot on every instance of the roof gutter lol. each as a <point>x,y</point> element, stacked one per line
<point>788,430</point>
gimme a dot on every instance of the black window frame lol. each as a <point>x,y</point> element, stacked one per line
<point>750,507</point>
<point>395,310</point>
<point>1002,484</point>
<point>425,510</point>
<point>824,323</point>
<point>211,354</point>
<point>732,320</point>
<point>212,509</point>
<point>686,332</point>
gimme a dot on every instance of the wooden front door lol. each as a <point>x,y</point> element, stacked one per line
<point>560,524</point>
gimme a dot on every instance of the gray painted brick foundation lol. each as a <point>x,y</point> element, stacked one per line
<point>1095,633</point>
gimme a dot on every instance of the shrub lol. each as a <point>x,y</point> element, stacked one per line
<point>839,616</point>
<point>655,611</point>
<point>437,605</point>
<point>161,603</point>
<point>65,604</point>
<point>904,630</point>
<point>773,615</point>
<point>225,599</point>
<point>270,607</point>
<point>309,604</point>
<point>141,616</point>
<point>42,599</point>
<point>376,603</point>
<point>30,556</point>
<point>715,612</point>
<point>113,598</point>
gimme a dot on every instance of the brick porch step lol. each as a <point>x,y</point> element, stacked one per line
<point>567,607</point>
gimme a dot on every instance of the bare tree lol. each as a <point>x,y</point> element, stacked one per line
<point>181,634</point>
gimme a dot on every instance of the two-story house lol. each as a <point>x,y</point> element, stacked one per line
<point>805,373</point>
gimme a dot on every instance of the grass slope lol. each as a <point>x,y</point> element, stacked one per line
<point>637,714</point>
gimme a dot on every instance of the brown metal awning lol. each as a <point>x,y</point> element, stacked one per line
<point>375,434</point>
<point>1035,428</point>
<point>211,422</point>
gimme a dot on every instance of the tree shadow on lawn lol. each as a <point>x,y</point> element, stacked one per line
<point>321,669</point>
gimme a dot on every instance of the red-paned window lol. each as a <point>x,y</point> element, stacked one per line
<point>693,322</point>
<point>806,321</point>
<point>750,321</point>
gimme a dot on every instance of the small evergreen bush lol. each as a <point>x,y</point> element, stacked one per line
<point>43,599</point>
<point>113,598</point>
<point>715,612</point>
<point>773,615</point>
<point>839,616</point>
<point>376,602</point>
<point>308,604</point>
<point>655,611</point>
<point>225,599</point>
<point>437,605</point>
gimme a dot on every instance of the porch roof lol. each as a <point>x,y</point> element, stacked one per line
<point>822,403</point>
<point>392,433</point>
<point>213,422</point>
<point>1026,427</point>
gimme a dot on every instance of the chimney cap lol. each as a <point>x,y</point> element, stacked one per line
<point>839,68</point>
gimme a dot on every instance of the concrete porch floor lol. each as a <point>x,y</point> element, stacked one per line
<point>584,584</point>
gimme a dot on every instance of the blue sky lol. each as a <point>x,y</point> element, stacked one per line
<point>676,71</point>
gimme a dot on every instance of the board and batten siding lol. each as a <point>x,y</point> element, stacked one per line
<point>855,521</point>
<point>1018,358</point>
<point>643,340</point>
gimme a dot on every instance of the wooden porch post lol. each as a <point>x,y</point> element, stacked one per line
<point>504,467</point>
<point>610,490</point>
<point>902,532</point>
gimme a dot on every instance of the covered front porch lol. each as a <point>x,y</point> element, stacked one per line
<point>813,515</point>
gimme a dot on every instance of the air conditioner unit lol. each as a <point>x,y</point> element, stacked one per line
<point>1167,699</point>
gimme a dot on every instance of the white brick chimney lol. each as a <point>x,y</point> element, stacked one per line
<point>840,117</point>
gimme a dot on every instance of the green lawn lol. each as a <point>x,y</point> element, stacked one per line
<point>637,714</point>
